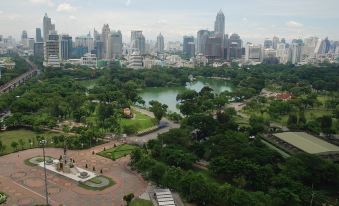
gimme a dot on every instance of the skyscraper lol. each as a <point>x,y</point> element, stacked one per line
<point>104,37</point>
<point>234,47</point>
<point>214,47</point>
<point>202,37</point>
<point>160,43</point>
<point>138,42</point>
<point>51,50</point>
<point>96,35</point>
<point>219,24</point>
<point>115,44</point>
<point>275,42</point>
<point>295,50</point>
<point>188,42</point>
<point>47,26</point>
<point>38,37</point>
<point>253,53</point>
<point>268,43</point>
<point>39,49</point>
<point>24,38</point>
<point>65,46</point>
<point>85,41</point>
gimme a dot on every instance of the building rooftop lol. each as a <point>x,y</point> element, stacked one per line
<point>307,142</point>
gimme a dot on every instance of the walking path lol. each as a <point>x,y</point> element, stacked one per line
<point>140,140</point>
<point>24,184</point>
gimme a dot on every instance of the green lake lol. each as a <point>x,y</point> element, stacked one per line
<point>167,95</point>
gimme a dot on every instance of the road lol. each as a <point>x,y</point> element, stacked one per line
<point>33,70</point>
<point>141,140</point>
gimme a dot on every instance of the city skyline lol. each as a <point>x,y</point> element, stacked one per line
<point>174,19</point>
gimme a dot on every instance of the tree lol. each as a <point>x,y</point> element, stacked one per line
<point>205,124</point>
<point>292,121</point>
<point>128,198</point>
<point>302,120</point>
<point>336,112</point>
<point>258,124</point>
<point>14,145</point>
<point>159,110</point>
<point>326,124</point>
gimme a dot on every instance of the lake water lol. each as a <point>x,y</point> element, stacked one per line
<point>168,95</point>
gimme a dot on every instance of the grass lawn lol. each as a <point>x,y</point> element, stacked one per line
<point>140,202</point>
<point>96,180</point>
<point>117,152</point>
<point>7,137</point>
<point>141,121</point>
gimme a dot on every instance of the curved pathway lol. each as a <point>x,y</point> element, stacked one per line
<point>140,140</point>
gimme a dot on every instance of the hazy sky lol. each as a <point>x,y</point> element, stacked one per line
<point>253,20</point>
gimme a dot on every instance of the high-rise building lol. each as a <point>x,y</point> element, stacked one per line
<point>85,41</point>
<point>96,35</point>
<point>47,27</point>
<point>138,42</point>
<point>253,53</point>
<point>214,47</point>
<point>39,49</point>
<point>275,42</point>
<point>104,37</point>
<point>99,49</point>
<point>160,43</point>
<point>66,46</point>
<point>202,37</point>
<point>295,50</point>
<point>309,47</point>
<point>24,38</point>
<point>115,45</point>
<point>174,46</point>
<point>31,42</point>
<point>268,43</point>
<point>219,24</point>
<point>234,47</point>
<point>38,36</point>
<point>51,50</point>
<point>187,46</point>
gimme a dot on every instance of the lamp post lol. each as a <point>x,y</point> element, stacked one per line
<point>43,143</point>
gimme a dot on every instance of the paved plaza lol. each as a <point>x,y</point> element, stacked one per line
<point>24,184</point>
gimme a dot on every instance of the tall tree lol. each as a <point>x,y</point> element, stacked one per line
<point>159,110</point>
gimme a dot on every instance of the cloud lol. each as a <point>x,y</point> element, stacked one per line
<point>72,17</point>
<point>47,2</point>
<point>294,24</point>
<point>128,2</point>
<point>244,19</point>
<point>65,7</point>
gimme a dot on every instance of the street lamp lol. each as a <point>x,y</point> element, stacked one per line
<point>43,143</point>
